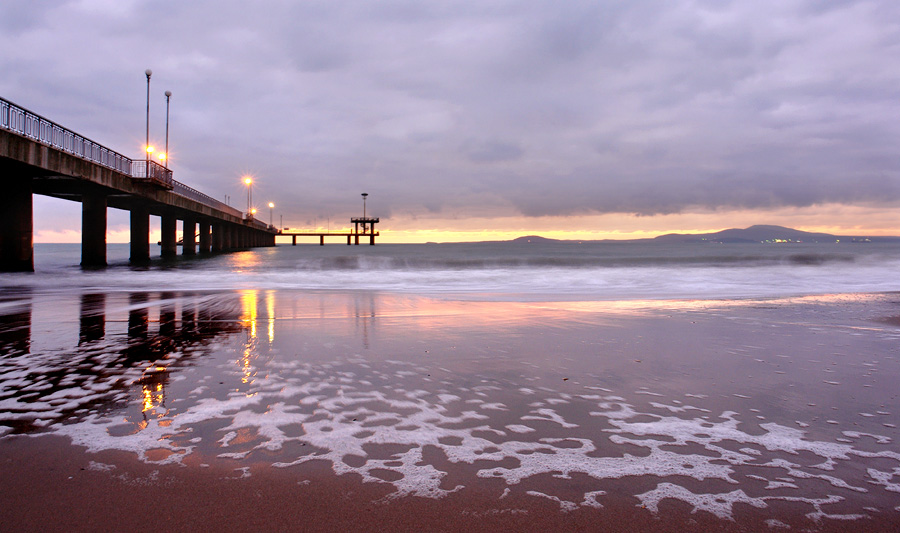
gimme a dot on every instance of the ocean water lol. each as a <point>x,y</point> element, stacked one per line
<point>505,270</point>
<point>754,383</point>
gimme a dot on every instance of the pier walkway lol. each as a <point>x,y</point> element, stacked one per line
<point>38,156</point>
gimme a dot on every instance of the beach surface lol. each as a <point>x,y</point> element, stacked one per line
<point>367,410</point>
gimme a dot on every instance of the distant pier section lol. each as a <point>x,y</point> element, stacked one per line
<point>362,227</point>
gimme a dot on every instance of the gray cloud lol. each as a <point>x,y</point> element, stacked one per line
<point>482,107</point>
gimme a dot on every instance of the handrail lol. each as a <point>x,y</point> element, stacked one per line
<point>192,193</point>
<point>33,126</point>
<point>19,120</point>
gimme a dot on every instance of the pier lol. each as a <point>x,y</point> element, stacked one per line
<point>368,230</point>
<point>38,156</point>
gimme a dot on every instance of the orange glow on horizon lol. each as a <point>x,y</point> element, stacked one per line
<point>870,221</point>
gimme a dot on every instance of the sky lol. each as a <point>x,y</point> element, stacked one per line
<point>488,119</point>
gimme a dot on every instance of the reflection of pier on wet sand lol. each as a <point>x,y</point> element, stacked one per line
<point>116,336</point>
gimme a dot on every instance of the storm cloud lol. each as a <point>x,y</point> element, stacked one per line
<point>478,108</point>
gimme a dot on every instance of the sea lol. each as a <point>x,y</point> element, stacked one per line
<point>514,385</point>
<point>504,270</point>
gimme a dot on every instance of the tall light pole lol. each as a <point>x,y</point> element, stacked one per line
<point>271,207</point>
<point>166,160</point>
<point>147,149</point>
<point>248,181</point>
<point>364,203</point>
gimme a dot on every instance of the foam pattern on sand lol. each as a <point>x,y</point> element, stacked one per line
<point>387,423</point>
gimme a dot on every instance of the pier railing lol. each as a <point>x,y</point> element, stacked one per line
<point>33,126</point>
<point>158,175</point>
<point>27,124</point>
<point>189,192</point>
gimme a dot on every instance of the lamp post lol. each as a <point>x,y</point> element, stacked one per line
<point>147,148</point>
<point>364,203</point>
<point>271,207</point>
<point>248,181</point>
<point>166,158</point>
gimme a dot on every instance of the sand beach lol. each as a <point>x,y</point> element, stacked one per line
<point>364,410</point>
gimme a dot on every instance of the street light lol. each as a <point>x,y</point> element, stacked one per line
<point>147,146</point>
<point>271,207</point>
<point>165,156</point>
<point>364,203</point>
<point>248,181</point>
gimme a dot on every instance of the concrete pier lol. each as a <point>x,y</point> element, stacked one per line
<point>16,233</point>
<point>168,238</point>
<point>140,234</point>
<point>189,236</point>
<point>48,159</point>
<point>93,230</point>
<point>205,238</point>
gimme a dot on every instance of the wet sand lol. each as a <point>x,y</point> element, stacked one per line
<point>366,411</point>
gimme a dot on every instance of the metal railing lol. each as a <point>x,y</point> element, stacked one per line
<point>27,124</point>
<point>189,192</point>
<point>158,175</point>
<point>33,126</point>
<point>258,223</point>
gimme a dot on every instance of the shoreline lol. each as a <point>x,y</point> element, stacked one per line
<point>542,407</point>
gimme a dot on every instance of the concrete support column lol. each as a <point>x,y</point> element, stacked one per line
<point>293,240</point>
<point>188,236</point>
<point>228,235</point>
<point>321,240</point>
<point>168,226</point>
<point>93,230</point>
<point>205,241</point>
<point>218,237</point>
<point>16,226</point>
<point>140,234</point>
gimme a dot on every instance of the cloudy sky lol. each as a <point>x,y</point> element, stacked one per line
<point>486,119</point>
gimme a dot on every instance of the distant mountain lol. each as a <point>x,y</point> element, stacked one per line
<point>753,234</point>
<point>534,239</point>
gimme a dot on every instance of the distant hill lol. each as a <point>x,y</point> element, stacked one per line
<point>753,234</point>
<point>534,238</point>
